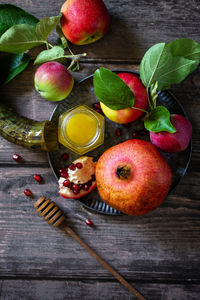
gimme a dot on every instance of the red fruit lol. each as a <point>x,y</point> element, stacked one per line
<point>89,222</point>
<point>173,142</point>
<point>16,157</point>
<point>76,189</point>
<point>133,177</point>
<point>84,21</point>
<point>86,187</point>
<point>65,156</point>
<point>79,165</point>
<point>66,183</point>
<point>38,178</point>
<point>28,193</point>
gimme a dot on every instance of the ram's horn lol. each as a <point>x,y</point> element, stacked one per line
<point>26,132</point>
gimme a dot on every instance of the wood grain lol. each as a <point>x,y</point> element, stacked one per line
<point>157,253</point>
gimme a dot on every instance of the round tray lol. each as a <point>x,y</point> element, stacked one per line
<point>83,93</point>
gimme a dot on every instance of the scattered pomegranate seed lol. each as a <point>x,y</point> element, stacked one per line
<point>65,175</point>
<point>66,183</point>
<point>118,132</point>
<point>96,105</point>
<point>99,111</point>
<point>93,177</point>
<point>135,134</point>
<point>86,187</point>
<point>62,170</point>
<point>65,156</point>
<point>16,157</point>
<point>72,167</point>
<point>28,193</point>
<point>79,165</point>
<point>89,222</point>
<point>38,177</point>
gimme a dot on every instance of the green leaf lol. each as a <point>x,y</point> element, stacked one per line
<point>63,40</point>
<point>112,90</point>
<point>55,53</point>
<point>158,64</point>
<point>159,120</point>
<point>20,38</point>
<point>11,15</point>
<point>186,48</point>
<point>12,65</point>
<point>46,25</point>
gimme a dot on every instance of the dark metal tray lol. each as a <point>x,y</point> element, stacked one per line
<point>83,93</point>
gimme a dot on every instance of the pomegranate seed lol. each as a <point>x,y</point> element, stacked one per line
<point>81,186</point>
<point>79,165</point>
<point>118,132</point>
<point>62,170</point>
<point>16,157</point>
<point>89,182</point>
<point>65,156</point>
<point>96,105</point>
<point>66,183</point>
<point>76,189</point>
<point>89,222</point>
<point>72,167</point>
<point>99,111</point>
<point>93,177</point>
<point>28,193</point>
<point>70,186</point>
<point>86,187</point>
<point>38,177</point>
<point>65,175</point>
<point>135,134</point>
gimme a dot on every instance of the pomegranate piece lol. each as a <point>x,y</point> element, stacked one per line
<point>28,193</point>
<point>38,177</point>
<point>16,157</point>
<point>96,105</point>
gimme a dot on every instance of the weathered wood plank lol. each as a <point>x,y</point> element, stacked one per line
<point>135,25</point>
<point>162,245</point>
<point>90,290</point>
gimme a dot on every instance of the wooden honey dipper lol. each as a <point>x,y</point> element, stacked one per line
<point>55,216</point>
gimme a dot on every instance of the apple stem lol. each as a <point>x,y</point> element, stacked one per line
<point>137,108</point>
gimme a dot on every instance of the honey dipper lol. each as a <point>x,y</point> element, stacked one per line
<point>55,216</point>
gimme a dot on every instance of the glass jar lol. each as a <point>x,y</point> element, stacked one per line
<point>81,129</point>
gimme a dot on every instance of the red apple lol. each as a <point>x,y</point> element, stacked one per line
<point>173,142</point>
<point>53,81</point>
<point>128,115</point>
<point>78,179</point>
<point>84,21</point>
<point>133,177</point>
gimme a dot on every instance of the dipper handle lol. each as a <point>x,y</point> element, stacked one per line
<point>54,216</point>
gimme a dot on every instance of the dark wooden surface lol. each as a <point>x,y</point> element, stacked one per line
<point>157,253</point>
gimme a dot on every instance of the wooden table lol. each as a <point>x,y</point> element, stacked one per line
<point>157,253</point>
